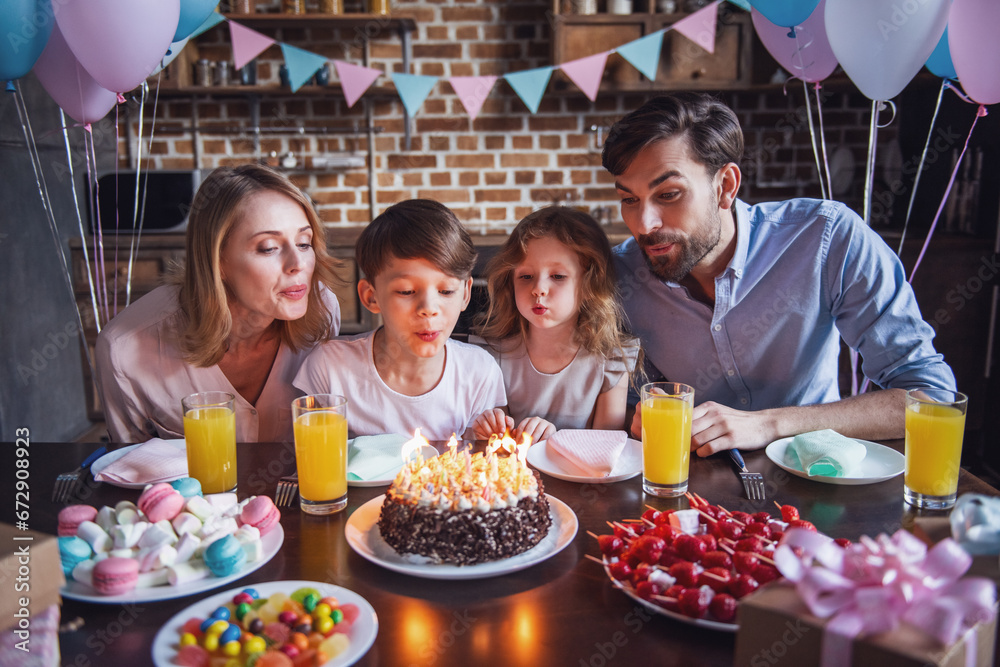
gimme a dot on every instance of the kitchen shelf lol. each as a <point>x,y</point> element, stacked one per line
<point>268,91</point>
<point>279,20</point>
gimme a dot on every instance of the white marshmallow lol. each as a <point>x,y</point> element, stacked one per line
<point>152,578</point>
<point>106,518</point>
<point>185,522</point>
<point>121,553</point>
<point>224,524</point>
<point>183,573</point>
<point>127,512</point>
<point>187,547</point>
<point>157,558</point>
<point>83,572</point>
<point>249,538</point>
<point>157,535</point>
<point>95,536</point>
<point>222,501</point>
<point>198,506</point>
<point>127,535</point>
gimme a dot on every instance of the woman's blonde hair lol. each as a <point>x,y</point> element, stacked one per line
<point>204,299</point>
<point>599,325</point>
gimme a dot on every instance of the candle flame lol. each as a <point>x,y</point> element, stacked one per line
<point>414,444</point>
<point>505,442</point>
<point>522,449</point>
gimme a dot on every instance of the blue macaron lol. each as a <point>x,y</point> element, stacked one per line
<point>187,486</point>
<point>72,551</point>
<point>225,556</point>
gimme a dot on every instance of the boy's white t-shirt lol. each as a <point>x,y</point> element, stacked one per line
<point>471,384</point>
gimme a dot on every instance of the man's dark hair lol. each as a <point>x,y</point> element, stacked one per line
<point>712,130</point>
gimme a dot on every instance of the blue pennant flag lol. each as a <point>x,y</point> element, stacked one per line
<point>530,84</point>
<point>413,89</point>
<point>214,19</point>
<point>301,65</point>
<point>644,53</point>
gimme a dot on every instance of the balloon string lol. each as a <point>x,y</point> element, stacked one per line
<point>79,221</point>
<point>43,194</point>
<point>822,140</point>
<point>960,94</point>
<point>870,162</point>
<point>920,167</point>
<point>135,197</point>
<point>812,138</point>
<point>981,111</point>
<point>102,278</point>
<point>145,184</point>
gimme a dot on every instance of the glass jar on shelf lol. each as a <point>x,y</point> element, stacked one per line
<point>331,6</point>
<point>380,7</point>
<point>293,6</point>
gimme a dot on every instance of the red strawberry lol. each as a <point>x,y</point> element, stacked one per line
<point>717,559</point>
<point>610,545</point>
<point>762,517</point>
<point>800,523</point>
<point>729,528</point>
<point>647,589</point>
<point>843,542</point>
<point>744,562</point>
<point>789,513</point>
<point>742,517</point>
<point>673,593</point>
<point>723,607</point>
<point>751,543</point>
<point>649,548</point>
<point>686,573</point>
<point>759,529</point>
<point>742,585</point>
<point>641,573</point>
<point>663,518</point>
<point>666,532</point>
<point>710,542</point>
<point>690,547</point>
<point>694,602</point>
<point>670,556</point>
<point>621,570</point>
<point>764,573</point>
<point>718,578</point>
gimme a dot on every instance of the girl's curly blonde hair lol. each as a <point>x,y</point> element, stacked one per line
<point>599,326</point>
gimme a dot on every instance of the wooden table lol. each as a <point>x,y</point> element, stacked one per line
<point>562,611</point>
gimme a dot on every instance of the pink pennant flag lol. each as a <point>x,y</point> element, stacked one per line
<point>355,79</point>
<point>472,91</point>
<point>247,44</point>
<point>700,27</point>
<point>586,73</point>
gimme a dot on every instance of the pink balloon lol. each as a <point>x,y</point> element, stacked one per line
<point>975,49</point>
<point>69,84</point>
<point>807,55</point>
<point>120,42</point>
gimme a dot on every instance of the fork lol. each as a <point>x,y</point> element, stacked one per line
<point>288,488</point>
<point>753,482</point>
<point>68,482</point>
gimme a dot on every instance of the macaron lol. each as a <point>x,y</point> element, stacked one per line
<point>160,501</point>
<point>260,513</point>
<point>73,551</point>
<point>225,556</point>
<point>71,516</point>
<point>187,486</point>
<point>114,576</point>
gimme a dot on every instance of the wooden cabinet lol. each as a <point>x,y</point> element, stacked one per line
<point>683,64</point>
<point>157,254</point>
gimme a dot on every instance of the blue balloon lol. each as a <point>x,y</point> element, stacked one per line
<point>786,13</point>
<point>25,26</point>
<point>939,62</point>
<point>193,14</point>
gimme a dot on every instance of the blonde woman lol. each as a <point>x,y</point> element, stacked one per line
<point>253,299</point>
<point>555,328</point>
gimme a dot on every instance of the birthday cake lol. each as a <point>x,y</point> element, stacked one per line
<point>463,509</point>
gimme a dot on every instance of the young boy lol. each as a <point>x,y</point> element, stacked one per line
<point>408,374</point>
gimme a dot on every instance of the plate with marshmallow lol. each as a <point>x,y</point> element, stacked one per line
<point>588,456</point>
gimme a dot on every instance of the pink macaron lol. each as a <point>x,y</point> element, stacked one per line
<point>114,576</point>
<point>71,516</point>
<point>161,501</point>
<point>260,513</point>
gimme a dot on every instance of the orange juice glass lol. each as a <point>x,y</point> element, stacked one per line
<point>210,439</point>
<point>320,425</point>
<point>935,424</point>
<point>666,437</point>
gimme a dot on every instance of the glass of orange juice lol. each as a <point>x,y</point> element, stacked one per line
<point>666,437</point>
<point>320,425</point>
<point>210,439</point>
<point>935,423</point>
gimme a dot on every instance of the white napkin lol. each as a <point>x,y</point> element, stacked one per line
<point>371,457</point>
<point>825,453</point>
<point>149,463</point>
<point>592,453</point>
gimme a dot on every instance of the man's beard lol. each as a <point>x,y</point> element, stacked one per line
<point>676,266</point>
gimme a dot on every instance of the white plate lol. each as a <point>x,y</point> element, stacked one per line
<point>628,465</point>
<point>364,537</point>
<point>75,590</point>
<point>880,463</point>
<point>362,632</point>
<point>109,458</point>
<point>700,622</point>
<point>386,478</point>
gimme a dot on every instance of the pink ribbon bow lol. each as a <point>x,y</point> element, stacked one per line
<point>874,584</point>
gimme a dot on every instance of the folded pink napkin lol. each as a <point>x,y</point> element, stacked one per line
<point>593,453</point>
<point>149,463</point>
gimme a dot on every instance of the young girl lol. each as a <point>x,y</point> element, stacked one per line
<point>555,327</point>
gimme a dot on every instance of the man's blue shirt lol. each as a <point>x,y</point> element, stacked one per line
<point>805,272</point>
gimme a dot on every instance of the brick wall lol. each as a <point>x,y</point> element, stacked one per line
<point>496,169</point>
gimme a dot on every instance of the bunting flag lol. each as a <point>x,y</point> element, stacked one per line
<point>472,91</point>
<point>214,19</point>
<point>700,27</point>
<point>644,53</point>
<point>413,89</point>
<point>355,79</point>
<point>247,44</point>
<point>530,85</point>
<point>586,73</point>
<point>301,65</point>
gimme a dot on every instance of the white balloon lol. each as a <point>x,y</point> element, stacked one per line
<point>175,50</point>
<point>882,44</point>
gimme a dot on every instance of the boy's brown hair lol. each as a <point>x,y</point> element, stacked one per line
<point>416,229</point>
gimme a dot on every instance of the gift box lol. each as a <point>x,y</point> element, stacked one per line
<point>776,629</point>
<point>887,601</point>
<point>932,530</point>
